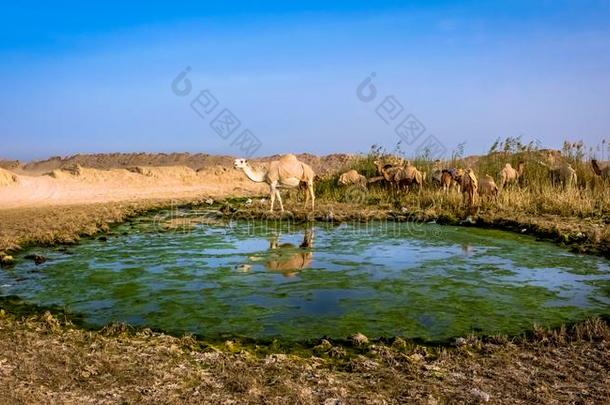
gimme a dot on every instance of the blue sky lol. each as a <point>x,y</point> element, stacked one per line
<point>80,77</point>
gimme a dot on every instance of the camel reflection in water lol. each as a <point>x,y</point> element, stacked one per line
<point>287,258</point>
<point>467,249</point>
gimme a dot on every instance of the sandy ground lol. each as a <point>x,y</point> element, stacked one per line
<point>84,185</point>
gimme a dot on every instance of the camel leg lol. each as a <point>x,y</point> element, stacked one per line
<point>306,197</point>
<point>272,196</point>
<point>311,195</point>
<point>279,198</point>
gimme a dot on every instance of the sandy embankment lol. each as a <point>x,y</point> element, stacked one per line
<point>79,185</point>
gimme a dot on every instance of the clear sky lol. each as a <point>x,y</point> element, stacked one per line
<point>80,77</point>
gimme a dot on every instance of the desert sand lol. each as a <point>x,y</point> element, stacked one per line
<point>79,185</point>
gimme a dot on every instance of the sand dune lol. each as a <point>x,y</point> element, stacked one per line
<point>77,185</point>
<point>195,161</point>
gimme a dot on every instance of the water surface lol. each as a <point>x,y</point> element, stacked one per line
<point>255,279</point>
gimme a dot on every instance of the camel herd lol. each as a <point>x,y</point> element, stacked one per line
<point>405,175</point>
<point>289,172</point>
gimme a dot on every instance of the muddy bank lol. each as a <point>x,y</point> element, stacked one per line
<point>50,225</point>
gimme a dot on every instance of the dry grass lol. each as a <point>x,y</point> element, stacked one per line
<point>20,227</point>
<point>43,359</point>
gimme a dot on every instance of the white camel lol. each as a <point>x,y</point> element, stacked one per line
<point>287,172</point>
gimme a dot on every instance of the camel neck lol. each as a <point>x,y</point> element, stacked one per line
<point>256,176</point>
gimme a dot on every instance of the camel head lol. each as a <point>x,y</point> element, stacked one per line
<point>380,167</point>
<point>240,163</point>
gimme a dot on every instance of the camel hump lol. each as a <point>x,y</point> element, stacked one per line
<point>289,167</point>
<point>288,158</point>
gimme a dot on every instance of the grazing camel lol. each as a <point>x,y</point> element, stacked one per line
<point>451,179</point>
<point>409,176</point>
<point>447,180</point>
<point>562,174</point>
<point>567,175</point>
<point>400,177</point>
<point>287,172</point>
<point>470,186</point>
<point>509,175</point>
<point>352,177</point>
<point>488,187</point>
<point>603,172</point>
<point>387,171</point>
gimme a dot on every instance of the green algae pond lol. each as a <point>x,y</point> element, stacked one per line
<point>266,279</point>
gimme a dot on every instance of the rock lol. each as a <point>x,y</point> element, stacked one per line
<point>468,221</point>
<point>483,396</point>
<point>249,202</point>
<point>7,261</point>
<point>244,268</point>
<point>359,339</point>
<point>103,239</point>
<point>38,259</point>
<point>460,341</point>
<point>209,201</point>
